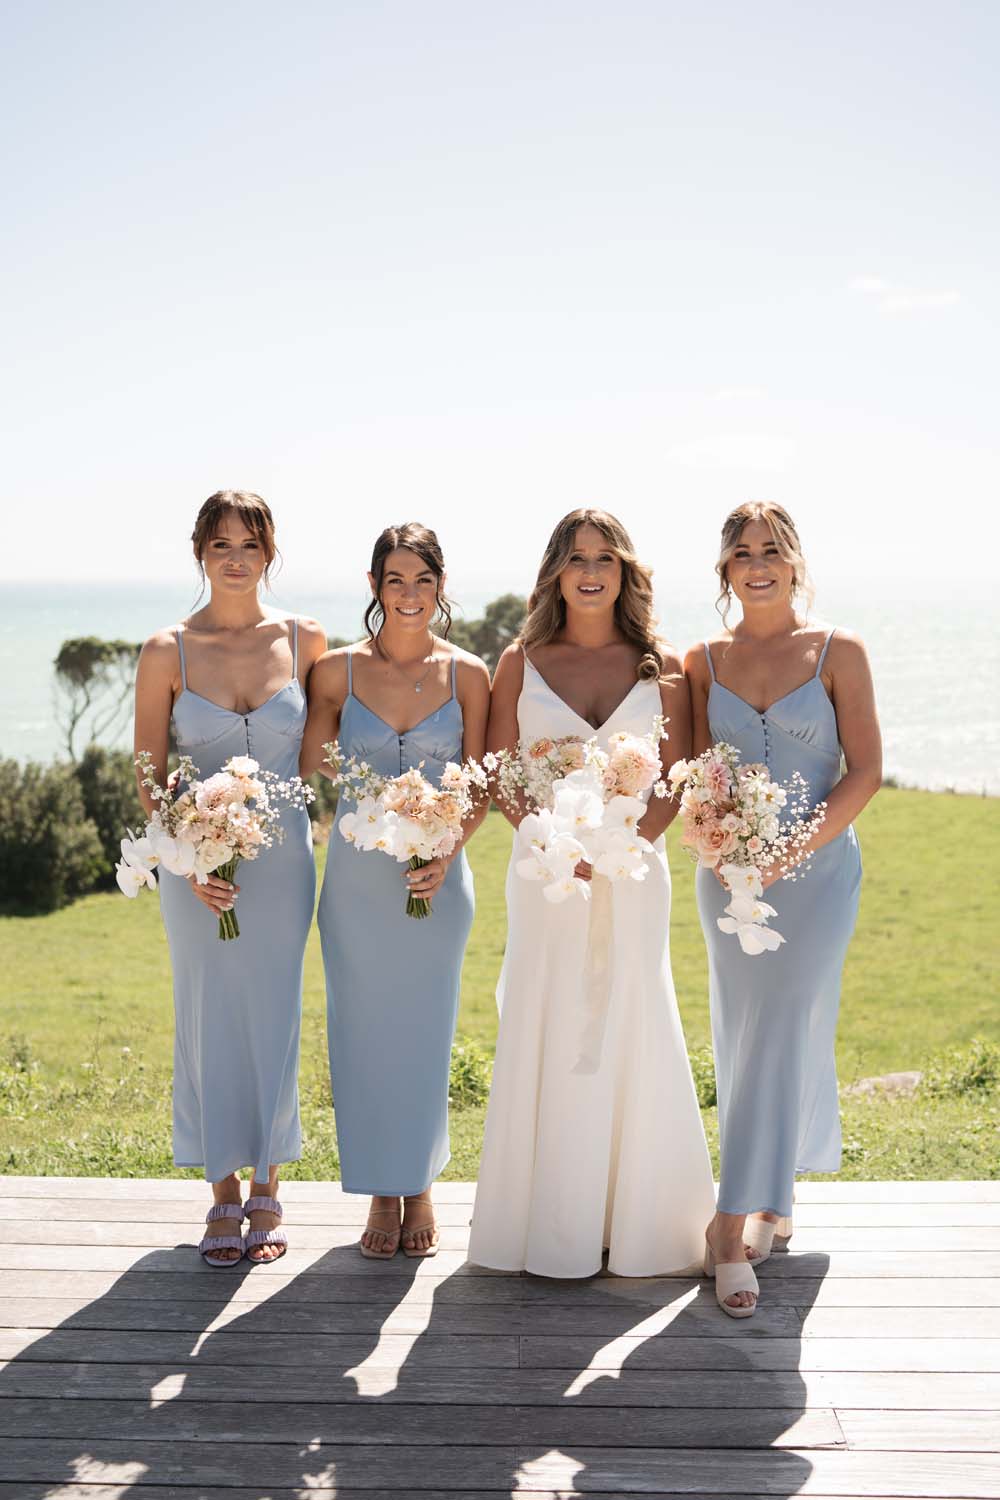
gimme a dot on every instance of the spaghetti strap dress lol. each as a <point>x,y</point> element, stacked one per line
<point>392,981</point>
<point>774,1016</point>
<point>237,1004</point>
<point>593,1134</point>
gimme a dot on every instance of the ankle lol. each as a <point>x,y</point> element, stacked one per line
<point>228,1190</point>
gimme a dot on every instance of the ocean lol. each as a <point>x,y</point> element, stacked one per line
<point>935,652</point>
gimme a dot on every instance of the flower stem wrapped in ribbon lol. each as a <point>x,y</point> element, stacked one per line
<point>207,828</point>
<point>732,822</point>
<point>406,816</point>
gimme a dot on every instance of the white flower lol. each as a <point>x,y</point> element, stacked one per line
<point>743,878</point>
<point>577,802</point>
<point>769,827</point>
<point>754,937</point>
<point>131,878</point>
<point>176,855</point>
<point>370,826</point>
<point>242,765</point>
<point>209,855</point>
<point>622,858</point>
<point>624,813</point>
<point>558,890</point>
<point>138,852</point>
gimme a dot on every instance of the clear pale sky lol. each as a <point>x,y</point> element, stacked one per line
<point>477,263</point>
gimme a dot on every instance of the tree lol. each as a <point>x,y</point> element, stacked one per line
<point>490,636</point>
<point>95,678</point>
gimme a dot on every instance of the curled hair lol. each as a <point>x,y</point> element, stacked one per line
<point>786,539</point>
<point>423,541</point>
<point>633,607</point>
<point>255,514</point>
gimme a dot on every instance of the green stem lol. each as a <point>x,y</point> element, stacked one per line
<point>417,906</point>
<point>229,928</point>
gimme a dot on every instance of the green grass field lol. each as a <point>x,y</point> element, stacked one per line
<point>86,1021</point>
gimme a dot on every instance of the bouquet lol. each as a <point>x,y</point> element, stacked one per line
<point>732,822</point>
<point>587,805</point>
<point>208,827</point>
<point>406,816</point>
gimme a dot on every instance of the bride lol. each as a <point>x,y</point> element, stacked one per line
<point>593,1136</point>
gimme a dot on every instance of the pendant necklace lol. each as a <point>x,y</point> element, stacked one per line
<point>418,686</point>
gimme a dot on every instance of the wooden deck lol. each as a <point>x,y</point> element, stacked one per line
<point>130,1369</point>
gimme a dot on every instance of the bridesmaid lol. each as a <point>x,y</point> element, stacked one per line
<point>797,696</point>
<point>399,699</point>
<point>230,679</point>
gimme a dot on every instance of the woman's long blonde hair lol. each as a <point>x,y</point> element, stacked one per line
<point>786,539</point>
<point>633,607</point>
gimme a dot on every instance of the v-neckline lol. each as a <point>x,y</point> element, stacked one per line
<point>762,713</point>
<point>400,733</point>
<point>594,728</point>
<point>235,711</point>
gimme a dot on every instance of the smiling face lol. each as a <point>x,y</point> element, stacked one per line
<point>408,592</point>
<point>592,577</point>
<point>233,558</point>
<point>756,571</point>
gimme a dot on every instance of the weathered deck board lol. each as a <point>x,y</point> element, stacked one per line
<point>187,1289</point>
<point>129,1369</point>
<point>691,1471</point>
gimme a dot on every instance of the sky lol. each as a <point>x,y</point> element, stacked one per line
<point>477,264</point>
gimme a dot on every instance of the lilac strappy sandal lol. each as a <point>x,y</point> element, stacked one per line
<point>264,1236</point>
<point>210,1243</point>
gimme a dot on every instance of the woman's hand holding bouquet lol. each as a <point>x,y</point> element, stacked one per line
<point>206,829</point>
<point>731,816</point>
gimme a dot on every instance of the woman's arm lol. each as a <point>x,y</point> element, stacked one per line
<point>327,689</point>
<point>312,644</point>
<point>699,683</point>
<point>472,688</point>
<point>157,681</point>
<point>853,696</point>
<point>502,731</point>
<point>675,701</point>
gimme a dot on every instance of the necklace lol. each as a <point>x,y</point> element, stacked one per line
<point>417,686</point>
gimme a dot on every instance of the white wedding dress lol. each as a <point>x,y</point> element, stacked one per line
<point>593,1135</point>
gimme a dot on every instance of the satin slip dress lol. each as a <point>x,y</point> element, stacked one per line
<point>237,1004</point>
<point>392,981</point>
<point>774,1016</point>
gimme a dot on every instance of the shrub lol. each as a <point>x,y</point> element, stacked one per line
<point>471,1071</point>
<point>703,1071</point>
<point>964,1070</point>
<point>50,851</point>
<point>110,801</point>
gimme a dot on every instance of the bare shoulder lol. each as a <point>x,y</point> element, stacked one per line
<point>673,667</point>
<point>161,650</point>
<point>310,628</point>
<point>470,671</point>
<point>695,663</point>
<point>328,677</point>
<point>846,652</point>
<point>510,668</point>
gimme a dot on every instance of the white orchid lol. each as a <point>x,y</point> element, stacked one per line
<point>621,857</point>
<point>135,868</point>
<point>623,813</point>
<point>578,803</point>
<point>178,855</point>
<point>743,878</point>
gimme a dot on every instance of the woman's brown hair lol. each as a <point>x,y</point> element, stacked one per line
<point>415,538</point>
<point>633,607</point>
<point>255,514</point>
<point>786,539</point>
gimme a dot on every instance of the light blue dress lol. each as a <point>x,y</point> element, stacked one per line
<point>238,1004</point>
<point>774,1015</point>
<point>392,981</point>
